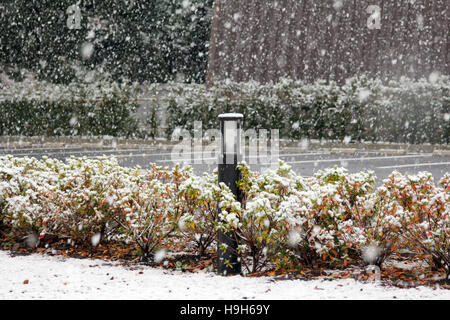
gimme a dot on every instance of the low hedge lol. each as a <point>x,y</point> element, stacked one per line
<point>363,109</point>
<point>42,109</point>
<point>404,111</point>
<point>284,220</point>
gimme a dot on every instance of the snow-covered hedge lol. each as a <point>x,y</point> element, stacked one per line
<point>362,109</point>
<point>404,111</point>
<point>33,108</point>
<point>82,197</point>
<point>425,220</point>
<point>333,217</point>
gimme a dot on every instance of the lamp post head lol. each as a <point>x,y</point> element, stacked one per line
<point>231,116</point>
<point>230,127</point>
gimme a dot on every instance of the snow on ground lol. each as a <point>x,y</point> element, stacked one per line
<point>38,276</point>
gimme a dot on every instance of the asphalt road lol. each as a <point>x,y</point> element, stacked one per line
<point>303,162</point>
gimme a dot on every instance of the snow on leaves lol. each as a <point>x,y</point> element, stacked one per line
<point>284,219</point>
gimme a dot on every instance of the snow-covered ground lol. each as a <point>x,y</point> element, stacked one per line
<point>45,277</point>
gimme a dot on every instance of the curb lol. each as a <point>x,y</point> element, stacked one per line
<point>388,148</point>
<point>80,142</point>
<point>343,151</point>
<point>393,151</point>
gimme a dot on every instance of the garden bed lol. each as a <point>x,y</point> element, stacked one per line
<point>286,224</point>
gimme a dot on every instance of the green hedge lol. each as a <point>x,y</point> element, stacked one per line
<point>363,109</point>
<point>66,118</point>
<point>41,109</point>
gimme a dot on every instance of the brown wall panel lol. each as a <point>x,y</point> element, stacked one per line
<point>310,40</point>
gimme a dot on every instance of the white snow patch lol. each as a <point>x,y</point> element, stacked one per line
<point>67,278</point>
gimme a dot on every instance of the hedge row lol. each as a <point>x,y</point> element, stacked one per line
<point>284,220</point>
<point>41,109</point>
<point>362,109</point>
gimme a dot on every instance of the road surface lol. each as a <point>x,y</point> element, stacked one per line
<point>303,162</point>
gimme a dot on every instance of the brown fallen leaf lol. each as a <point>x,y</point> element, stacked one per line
<point>26,282</point>
<point>317,288</point>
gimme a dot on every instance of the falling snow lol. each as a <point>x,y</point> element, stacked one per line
<point>175,52</point>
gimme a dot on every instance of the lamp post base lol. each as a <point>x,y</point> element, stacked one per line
<point>227,258</point>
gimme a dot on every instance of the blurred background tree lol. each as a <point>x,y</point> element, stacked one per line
<point>141,40</point>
